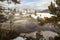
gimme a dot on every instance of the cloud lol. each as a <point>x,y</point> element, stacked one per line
<point>27,1</point>
<point>35,4</point>
<point>39,4</point>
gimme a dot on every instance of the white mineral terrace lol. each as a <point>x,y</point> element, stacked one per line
<point>41,15</point>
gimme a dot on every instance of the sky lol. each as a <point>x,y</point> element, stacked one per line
<point>36,4</point>
<point>29,4</point>
<point>27,1</point>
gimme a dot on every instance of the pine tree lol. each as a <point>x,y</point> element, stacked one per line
<point>15,1</point>
<point>2,19</point>
<point>40,21</point>
<point>56,11</point>
<point>9,34</point>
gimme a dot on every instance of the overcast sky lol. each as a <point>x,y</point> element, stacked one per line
<point>30,4</point>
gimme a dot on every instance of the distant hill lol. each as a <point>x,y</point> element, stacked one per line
<point>44,11</point>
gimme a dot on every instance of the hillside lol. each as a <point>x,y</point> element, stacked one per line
<point>44,11</point>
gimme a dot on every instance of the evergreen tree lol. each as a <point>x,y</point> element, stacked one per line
<point>15,1</point>
<point>40,21</point>
<point>2,19</point>
<point>9,34</point>
<point>35,13</point>
<point>56,11</point>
